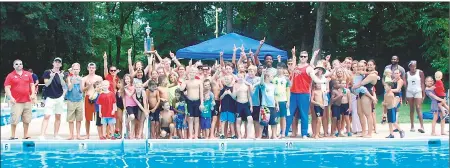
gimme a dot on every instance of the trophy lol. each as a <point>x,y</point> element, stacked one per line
<point>148,41</point>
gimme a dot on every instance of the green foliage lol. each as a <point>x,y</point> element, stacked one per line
<point>36,32</point>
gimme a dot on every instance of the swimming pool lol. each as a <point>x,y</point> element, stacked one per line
<point>37,112</point>
<point>227,153</point>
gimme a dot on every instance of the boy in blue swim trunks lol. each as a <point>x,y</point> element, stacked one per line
<point>390,101</point>
<point>227,104</point>
<point>208,103</point>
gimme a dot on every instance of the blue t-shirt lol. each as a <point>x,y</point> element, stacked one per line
<point>75,95</point>
<point>55,89</point>
<point>255,81</point>
<point>208,106</point>
<point>227,104</point>
<point>35,78</point>
<point>268,94</point>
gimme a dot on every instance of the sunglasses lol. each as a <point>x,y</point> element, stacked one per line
<point>303,56</point>
<point>18,64</point>
<point>112,70</point>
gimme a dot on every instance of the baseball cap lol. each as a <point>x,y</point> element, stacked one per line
<point>57,59</point>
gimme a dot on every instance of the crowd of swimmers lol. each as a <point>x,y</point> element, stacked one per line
<point>241,99</point>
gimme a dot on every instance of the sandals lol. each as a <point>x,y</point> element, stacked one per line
<point>421,130</point>
<point>12,138</point>
<point>27,138</point>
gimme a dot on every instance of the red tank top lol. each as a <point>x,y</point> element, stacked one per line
<point>301,82</point>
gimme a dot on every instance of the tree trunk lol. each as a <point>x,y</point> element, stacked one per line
<point>229,17</point>
<point>133,37</point>
<point>118,45</point>
<point>110,52</point>
<point>319,28</point>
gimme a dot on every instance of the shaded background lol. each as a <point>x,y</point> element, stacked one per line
<point>36,32</point>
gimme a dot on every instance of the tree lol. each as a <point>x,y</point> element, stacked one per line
<point>229,17</point>
<point>319,28</point>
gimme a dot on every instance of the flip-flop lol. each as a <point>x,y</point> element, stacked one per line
<point>12,138</point>
<point>421,130</point>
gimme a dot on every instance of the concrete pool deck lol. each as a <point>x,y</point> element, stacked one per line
<point>35,129</point>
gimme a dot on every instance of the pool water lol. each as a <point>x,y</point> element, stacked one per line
<point>239,154</point>
<point>37,112</point>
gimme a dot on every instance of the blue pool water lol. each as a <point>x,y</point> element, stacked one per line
<point>228,153</point>
<point>5,115</point>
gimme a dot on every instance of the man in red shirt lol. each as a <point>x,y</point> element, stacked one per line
<point>112,75</point>
<point>302,77</point>
<point>19,87</point>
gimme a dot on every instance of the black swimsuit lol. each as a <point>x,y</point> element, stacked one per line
<point>369,87</point>
<point>119,101</point>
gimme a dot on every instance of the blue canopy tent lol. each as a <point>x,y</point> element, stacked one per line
<point>210,49</point>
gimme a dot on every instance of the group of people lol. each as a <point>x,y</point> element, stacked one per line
<point>238,99</point>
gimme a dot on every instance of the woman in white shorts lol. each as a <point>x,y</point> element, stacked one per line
<point>415,91</point>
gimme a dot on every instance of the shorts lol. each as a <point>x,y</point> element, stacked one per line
<point>205,123</point>
<point>414,94</point>
<point>133,110</point>
<point>361,90</point>
<point>98,120</point>
<point>193,108</point>
<point>167,129</point>
<point>216,108</point>
<point>155,115</point>
<point>21,110</point>
<point>227,116</point>
<point>318,110</point>
<point>392,115</point>
<point>243,110</point>
<point>179,122</point>
<point>283,109</point>
<point>274,117</point>
<point>344,109</point>
<point>442,97</point>
<point>108,120</point>
<point>89,109</point>
<point>74,111</point>
<point>255,113</point>
<point>336,111</point>
<point>54,106</point>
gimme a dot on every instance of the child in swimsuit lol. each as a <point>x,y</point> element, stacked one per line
<point>390,101</point>
<point>180,109</point>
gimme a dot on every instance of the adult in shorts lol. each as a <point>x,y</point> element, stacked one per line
<point>55,89</point>
<point>87,86</point>
<point>74,101</point>
<point>415,93</point>
<point>19,87</point>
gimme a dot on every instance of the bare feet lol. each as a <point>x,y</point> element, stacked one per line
<point>80,138</point>
<point>443,133</point>
<point>367,136</point>
<point>433,134</point>
<point>70,138</point>
<point>293,135</point>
